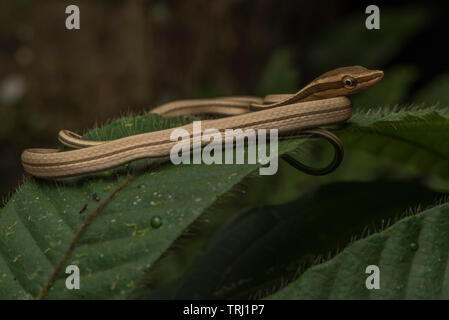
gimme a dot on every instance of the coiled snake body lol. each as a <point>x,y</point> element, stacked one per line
<point>322,102</point>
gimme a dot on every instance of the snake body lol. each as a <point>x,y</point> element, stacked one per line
<point>322,102</point>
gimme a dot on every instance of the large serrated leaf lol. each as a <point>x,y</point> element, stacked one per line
<point>49,225</point>
<point>103,223</point>
<point>411,138</point>
<point>381,142</point>
<point>412,257</point>
<point>264,247</point>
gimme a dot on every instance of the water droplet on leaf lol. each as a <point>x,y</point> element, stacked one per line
<point>156,222</point>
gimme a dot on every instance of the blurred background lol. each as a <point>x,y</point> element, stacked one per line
<point>130,56</point>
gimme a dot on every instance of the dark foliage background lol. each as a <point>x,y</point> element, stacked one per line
<point>134,55</point>
<point>131,56</point>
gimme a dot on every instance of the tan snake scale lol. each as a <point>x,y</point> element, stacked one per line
<point>322,102</point>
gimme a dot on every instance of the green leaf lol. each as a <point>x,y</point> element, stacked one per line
<point>261,248</point>
<point>382,142</point>
<point>44,227</point>
<point>412,256</point>
<point>105,223</point>
<point>414,138</point>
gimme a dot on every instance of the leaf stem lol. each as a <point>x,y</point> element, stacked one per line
<point>44,292</point>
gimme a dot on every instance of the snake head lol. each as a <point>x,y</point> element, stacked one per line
<point>345,81</point>
<point>358,78</point>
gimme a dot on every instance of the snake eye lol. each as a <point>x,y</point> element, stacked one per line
<point>349,82</point>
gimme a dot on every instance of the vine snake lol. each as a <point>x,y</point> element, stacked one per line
<point>322,102</point>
